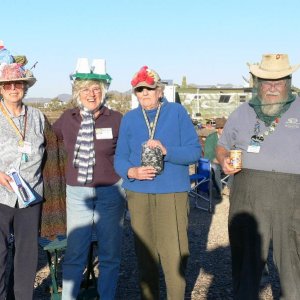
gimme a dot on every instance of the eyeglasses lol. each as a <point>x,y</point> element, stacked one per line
<point>94,91</point>
<point>9,85</point>
<point>140,89</point>
<point>276,85</point>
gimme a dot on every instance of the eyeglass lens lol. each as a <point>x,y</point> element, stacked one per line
<point>92,91</point>
<point>9,85</point>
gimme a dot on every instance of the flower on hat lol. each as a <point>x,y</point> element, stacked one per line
<point>12,71</point>
<point>15,72</point>
<point>145,75</point>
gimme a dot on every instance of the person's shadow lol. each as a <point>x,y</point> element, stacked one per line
<point>216,263</point>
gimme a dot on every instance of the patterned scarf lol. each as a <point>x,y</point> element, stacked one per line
<point>84,153</point>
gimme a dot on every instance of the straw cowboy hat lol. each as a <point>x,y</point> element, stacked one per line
<point>273,66</point>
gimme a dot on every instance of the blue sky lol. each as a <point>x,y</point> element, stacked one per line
<point>209,42</point>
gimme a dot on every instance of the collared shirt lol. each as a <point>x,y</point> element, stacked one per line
<point>105,141</point>
<point>11,158</point>
<point>279,150</point>
<point>210,146</point>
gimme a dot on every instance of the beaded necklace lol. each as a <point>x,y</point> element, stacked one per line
<point>259,137</point>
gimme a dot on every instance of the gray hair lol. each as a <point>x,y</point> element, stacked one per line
<point>80,84</point>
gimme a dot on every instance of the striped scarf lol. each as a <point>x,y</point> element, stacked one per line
<point>84,153</point>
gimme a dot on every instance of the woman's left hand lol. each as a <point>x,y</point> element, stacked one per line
<point>157,143</point>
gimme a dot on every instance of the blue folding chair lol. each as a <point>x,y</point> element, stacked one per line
<point>201,185</point>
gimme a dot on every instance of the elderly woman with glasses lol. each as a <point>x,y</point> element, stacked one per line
<point>21,154</point>
<point>157,142</point>
<point>95,201</point>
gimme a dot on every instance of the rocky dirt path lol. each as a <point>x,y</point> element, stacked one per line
<point>209,269</point>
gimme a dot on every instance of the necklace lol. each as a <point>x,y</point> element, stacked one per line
<point>151,127</point>
<point>259,137</point>
<point>18,131</point>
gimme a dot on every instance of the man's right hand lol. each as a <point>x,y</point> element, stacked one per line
<point>222,155</point>
<point>227,167</point>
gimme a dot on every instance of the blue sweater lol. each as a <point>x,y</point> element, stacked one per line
<point>175,131</point>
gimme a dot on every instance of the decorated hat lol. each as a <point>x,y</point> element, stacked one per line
<point>220,122</point>
<point>12,68</point>
<point>15,72</point>
<point>273,66</point>
<point>146,77</point>
<point>97,71</point>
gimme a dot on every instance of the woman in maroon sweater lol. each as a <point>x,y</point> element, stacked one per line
<point>95,200</point>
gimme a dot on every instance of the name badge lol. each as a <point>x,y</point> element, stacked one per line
<point>104,134</point>
<point>253,149</point>
<point>25,147</point>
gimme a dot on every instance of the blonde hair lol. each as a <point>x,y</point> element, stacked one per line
<point>80,84</point>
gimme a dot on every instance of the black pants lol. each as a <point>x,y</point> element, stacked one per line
<point>25,224</point>
<point>265,206</point>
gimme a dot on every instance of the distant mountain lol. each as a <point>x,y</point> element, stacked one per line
<point>62,97</point>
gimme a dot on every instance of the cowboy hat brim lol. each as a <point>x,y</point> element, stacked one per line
<point>29,80</point>
<point>265,74</point>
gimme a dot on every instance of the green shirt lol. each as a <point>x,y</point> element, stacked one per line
<point>210,146</point>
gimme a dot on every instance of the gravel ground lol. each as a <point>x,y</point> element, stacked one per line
<point>209,269</point>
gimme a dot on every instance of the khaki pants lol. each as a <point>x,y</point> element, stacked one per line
<point>160,223</point>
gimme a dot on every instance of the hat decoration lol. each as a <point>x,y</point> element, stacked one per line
<point>145,77</point>
<point>273,66</point>
<point>97,71</point>
<point>5,55</point>
<point>12,68</point>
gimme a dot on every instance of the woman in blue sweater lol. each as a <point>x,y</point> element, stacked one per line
<point>157,184</point>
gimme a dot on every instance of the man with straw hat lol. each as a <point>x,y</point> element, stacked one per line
<point>264,201</point>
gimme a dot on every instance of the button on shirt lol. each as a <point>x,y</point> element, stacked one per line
<point>10,157</point>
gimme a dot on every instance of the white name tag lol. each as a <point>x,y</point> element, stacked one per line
<point>253,149</point>
<point>25,148</point>
<point>104,134</point>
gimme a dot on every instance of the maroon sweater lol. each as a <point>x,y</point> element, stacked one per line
<point>66,129</point>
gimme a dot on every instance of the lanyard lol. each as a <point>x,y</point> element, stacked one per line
<point>13,125</point>
<point>151,129</point>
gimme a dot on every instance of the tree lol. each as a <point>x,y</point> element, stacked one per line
<point>119,101</point>
<point>184,84</point>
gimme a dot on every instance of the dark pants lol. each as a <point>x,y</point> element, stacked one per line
<point>159,223</point>
<point>265,206</point>
<point>24,223</point>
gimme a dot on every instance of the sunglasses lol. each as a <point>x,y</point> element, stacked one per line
<point>141,88</point>
<point>9,85</point>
